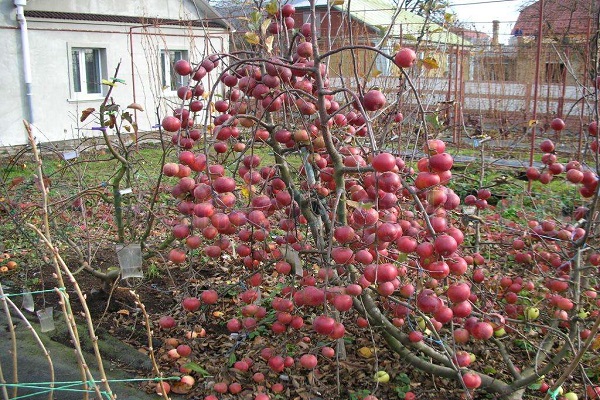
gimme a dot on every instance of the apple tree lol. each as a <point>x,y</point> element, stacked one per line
<point>292,179</point>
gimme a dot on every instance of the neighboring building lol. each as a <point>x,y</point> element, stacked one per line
<point>476,38</point>
<point>568,27</point>
<point>75,44</point>
<point>370,20</point>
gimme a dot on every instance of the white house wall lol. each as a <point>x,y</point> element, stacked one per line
<point>56,108</point>
<point>12,100</point>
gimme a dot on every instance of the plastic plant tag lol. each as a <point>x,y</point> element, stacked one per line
<point>46,319</point>
<point>125,191</point>
<point>130,260</point>
<point>69,155</point>
<point>28,301</point>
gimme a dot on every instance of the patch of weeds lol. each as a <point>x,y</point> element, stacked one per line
<point>153,271</point>
<point>402,385</point>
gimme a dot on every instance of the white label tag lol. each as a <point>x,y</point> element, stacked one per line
<point>69,155</point>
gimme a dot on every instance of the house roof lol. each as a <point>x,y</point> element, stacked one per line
<point>379,14</point>
<point>561,17</point>
<point>471,34</point>
<point>173,12</point>
<point>119,19</point>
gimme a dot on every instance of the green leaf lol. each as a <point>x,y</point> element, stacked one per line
<point>489,370</point>
<point>403,378</point>
<point>127,117</point>
<point>196,368</point>
<point>535,386</point>
<point>255,17</point>
<point>433,120</point>
<point>232,359</point>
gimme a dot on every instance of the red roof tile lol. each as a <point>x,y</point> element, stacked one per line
<point>561,17</point>
<point>470,34</point>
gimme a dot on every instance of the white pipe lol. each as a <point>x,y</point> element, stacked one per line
<point>26,59</point>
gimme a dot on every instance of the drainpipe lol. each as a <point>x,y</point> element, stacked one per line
<point>25,55</point>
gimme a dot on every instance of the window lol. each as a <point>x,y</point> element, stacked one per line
<point>382,63</point>
<point>555,72</point>
<point>87,71</point>
<point>171,80</point>
<point>494,69</point>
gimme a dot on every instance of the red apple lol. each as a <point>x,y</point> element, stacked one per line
<point>166,322</point>
<point>182,67</point>
<point>191,304</point>
<point>308,361</point>
<point>373,100</point>
<point>557,124</point>
<point>405,57</point>
<point>471,380</point>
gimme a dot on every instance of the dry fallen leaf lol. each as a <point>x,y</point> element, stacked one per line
<point>365,352</point>
<point>86,113</point>
<point>180,388</point>
<point>136,106</point>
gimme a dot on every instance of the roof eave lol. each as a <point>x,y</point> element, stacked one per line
<point>204,5</point>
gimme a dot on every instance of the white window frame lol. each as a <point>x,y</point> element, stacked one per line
<point>166,69</point>
<point>81,77</point>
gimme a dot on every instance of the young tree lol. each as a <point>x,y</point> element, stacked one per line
<point>348,225</point>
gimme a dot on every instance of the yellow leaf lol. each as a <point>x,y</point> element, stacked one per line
<point>533,122</point>
<point>108,83</point>
<point>337,2</point>
<point>449,18</point>
<point>365,352</point>
<point>218,314</point>
<point>245,192</point>
<point>376,73</point>
<point>596,343</point>
<point>272,8</point>
<point>264,26</point>
<point>430,63</point>
<point>251,38</point>
<point>123,312</point>
<point>269,44</point>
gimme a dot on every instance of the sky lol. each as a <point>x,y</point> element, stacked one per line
<point>481,13</point>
